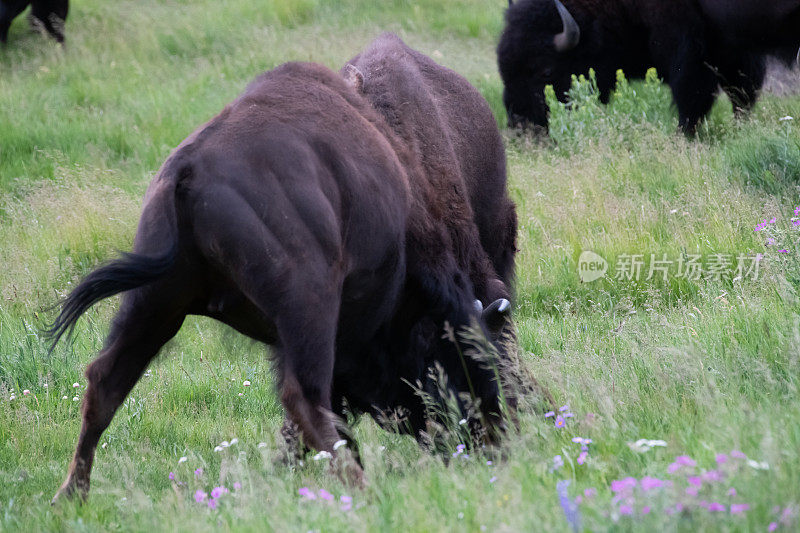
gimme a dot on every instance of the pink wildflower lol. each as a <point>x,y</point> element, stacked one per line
<point>212,504</point>
<point>715,507</point>
<point>216,492</point>
<point>736,454</point>
<point>237,485</point>
<point>731,492</point>
<point>307,493</point>
<point>590,493</point>
<point>739,508</point>
<point>625,510</point>
<point>172,476</point>
<point>325,495</point>
<point>646,509</point>
<point>582,457</point>
<point>691,491</point>
<point>198,472</point>
<point>712,476</point>
<point>623,485</point>
<point>200,496</point>
<point>650,483</point>
<point>772,526</point>
<point>721,458</point>
<point>694,480</point>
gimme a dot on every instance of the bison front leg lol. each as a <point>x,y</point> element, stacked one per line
<point>306,354</point>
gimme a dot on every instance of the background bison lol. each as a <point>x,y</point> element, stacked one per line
<point>696,47</point>
<point>317,229</point>
<point>47,14</point>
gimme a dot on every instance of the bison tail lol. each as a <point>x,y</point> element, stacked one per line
<point>131,271</point>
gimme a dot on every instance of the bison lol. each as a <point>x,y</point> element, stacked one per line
<point>696,45</point>
<point>47,14</point>
<point>301,218</point>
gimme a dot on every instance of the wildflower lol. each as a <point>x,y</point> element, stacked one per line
<point>489,463</point>
<point>569,507</point>
<point>462,421</point>
<point>582,457</point>
<point>773,220</point>
<point>558,462</point>
<point>182,460</point>
<point>492,479</point>
<point>75,398</point>
<point>75,385</point>
<point>198,472</point>
<point>346,501</point>
<point>246,383</point>
<point>797,210</point>
<point>548,414</point>
<point>237,485</point>
<point>770,241</point>
<point>712,476</point>
<point>200,496</point>
<point>784,251</point>
<point>12,398</point>
<point>560,422</point>
<point>322,455</point>
<point>241,394</point>
<point>721,458</point>
<point>715,507</point>
<point>650,483</point>
<point>772,526</point>
<point>590,493</point>
<point>104,445</point>
<point>738,455</point>
<point>325,495</point>
<point>731,492</point>
<point>563,408</point>
<point>739,508</point>
<point>234,440</point>
<point>63,397</point>
<point>26,392</point>
<point>646,509</point>
<point>339,443</point>
<point>680,462</point>
<point>225,444</point>
<point>796,222</point>
<point>216,492</point>
<point>625,510</point>
<point>307,493</point>
<point>758,465</point>
<point>212,504</point>
<point>786,118</point>
<point>217,449</point>
<point>691,491</point>
<point>172,476</point>
<point>623,485</point>
<point>45,385</point>
<point>694,480</point>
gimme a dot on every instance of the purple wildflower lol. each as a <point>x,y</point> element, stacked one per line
<point>694,480</point>
<point>558,462</point>
<point>325,495</point>
<point>237,485</point>
<point>625,510</point>
<point>712,476</point>
<point>650,483</point>
<point>172,476</point>
<point>736,454</point>
<point>582,457</point>
<point>783,251</point>
<point>731,492</point>
<point>563,408</point>
<point>691,491</point>
<point>569,507</point>
<point>623,485</point>
<point>721,458</point>
<point>548,414</point>
<point>646,509</point>
<point>716,507</point>
<point>306,493</point>
<point>796,222</point>
<point>345,499</point>
<point>212,504</point>
<point>774,220</point>
<point>200,496</point>
<point>198,472</point>
<point>739,508</point>
<point>772,526</point>
<point>681,461</point>
<point>216,492</point>
<point>560,422</point>
<point>493,479</point>
<point>770,241</point>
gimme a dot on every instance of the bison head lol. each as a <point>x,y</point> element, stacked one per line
<point>539,47</point>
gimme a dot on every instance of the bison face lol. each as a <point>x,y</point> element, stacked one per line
<point>537,48</point>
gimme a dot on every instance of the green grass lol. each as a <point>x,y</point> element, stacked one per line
<point>706,365</point>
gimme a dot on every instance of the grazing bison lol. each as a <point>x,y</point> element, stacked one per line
<point>47,14</point>
<point>300,218</point>
<point>696,45</point>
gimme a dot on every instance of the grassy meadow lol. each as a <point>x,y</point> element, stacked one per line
<point>707,365</point>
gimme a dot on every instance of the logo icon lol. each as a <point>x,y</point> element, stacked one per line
<point>591,266</point>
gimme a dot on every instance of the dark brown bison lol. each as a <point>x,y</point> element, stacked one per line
<point>299,217</point>
<point>49,15</point>
<point>696,45</point>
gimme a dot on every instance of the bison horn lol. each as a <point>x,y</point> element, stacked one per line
<point>571,35</point>
<point>495,315</point>
<point>478,306</point>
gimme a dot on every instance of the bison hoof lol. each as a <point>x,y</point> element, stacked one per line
<point>71,490</point>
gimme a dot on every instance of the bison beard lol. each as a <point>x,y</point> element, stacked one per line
<point>49,15</point>
<point>696,45</point>
<point>300,218</point>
